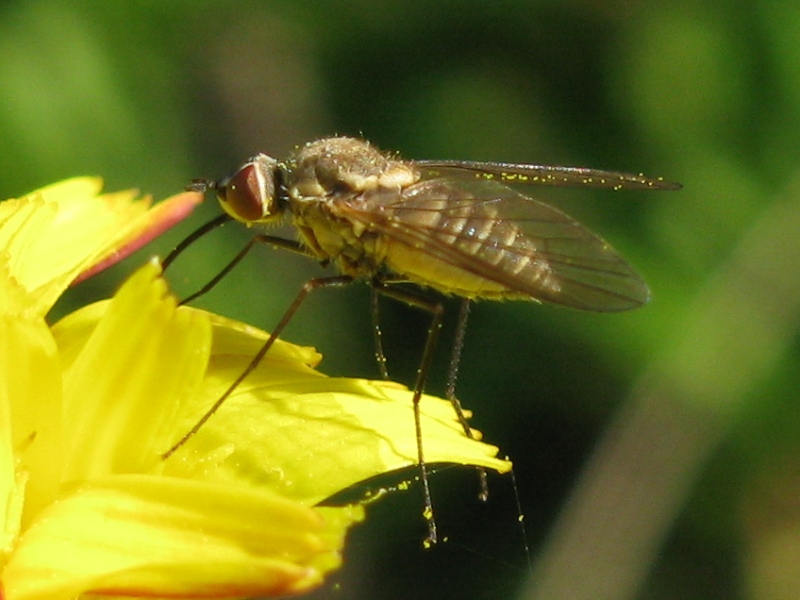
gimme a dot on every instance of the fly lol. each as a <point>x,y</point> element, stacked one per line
<point>452,226</point>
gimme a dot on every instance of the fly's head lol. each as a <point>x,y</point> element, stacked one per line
<point>252,193</point>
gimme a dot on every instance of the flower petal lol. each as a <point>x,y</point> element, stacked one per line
<point>30,411</point>
<point>147,536</point>
<point>308,436</point>
<point>144,230</point>
<point>50,236</point>
<point>125,378</point>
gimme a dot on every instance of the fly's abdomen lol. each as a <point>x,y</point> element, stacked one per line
<point>465,250</point>
<point>481,239</point>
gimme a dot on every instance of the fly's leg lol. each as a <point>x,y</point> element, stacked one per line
<point>380,356</point>
<point>193,237</point>
<point>219,276</point>
<point>455,360</point>
<point>377,334</point>
<point>276,242</point>
<point>437,312</point>
<point>450,390</point>
<point>308,287</point>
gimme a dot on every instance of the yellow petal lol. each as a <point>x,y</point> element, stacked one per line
<point>14,297</point>
<point>147,536</point>
<point>50,236</point>
<point>237,339</point>
<point>30,405</point>
<point>142,230</point>
<point>126,379</point>
<point>308,436</point>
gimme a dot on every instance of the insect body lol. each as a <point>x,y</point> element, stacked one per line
<point>453,226</point>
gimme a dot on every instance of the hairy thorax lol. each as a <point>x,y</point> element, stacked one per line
<point>330,174</point>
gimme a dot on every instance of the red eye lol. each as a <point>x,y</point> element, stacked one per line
<point>248,194</point>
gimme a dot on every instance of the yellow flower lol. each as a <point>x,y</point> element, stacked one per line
<point>51,237</point>
<point>88,407</point>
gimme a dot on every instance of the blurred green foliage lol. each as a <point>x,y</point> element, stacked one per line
<point>152,94</point>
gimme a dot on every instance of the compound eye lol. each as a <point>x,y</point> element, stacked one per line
<point>248,194</point>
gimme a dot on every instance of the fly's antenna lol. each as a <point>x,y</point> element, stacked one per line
<point>201,185</point>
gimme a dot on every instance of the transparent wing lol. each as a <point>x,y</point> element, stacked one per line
<point>542,175</point>
<point>496,233</point>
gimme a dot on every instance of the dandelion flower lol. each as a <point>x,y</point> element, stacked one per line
<point>89,406</point>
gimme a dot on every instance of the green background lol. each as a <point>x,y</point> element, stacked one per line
<point>657,452</point>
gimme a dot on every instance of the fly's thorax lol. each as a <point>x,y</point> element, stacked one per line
<point>251,194</point>
<point>356,251</point>
<point>336,166</point>
<point>331,173</point>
